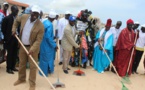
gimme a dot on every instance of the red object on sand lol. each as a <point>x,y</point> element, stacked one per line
<point>79,73</point>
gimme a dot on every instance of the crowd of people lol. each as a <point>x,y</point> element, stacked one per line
<point>80,39</point>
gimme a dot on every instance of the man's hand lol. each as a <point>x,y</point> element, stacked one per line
<point>79,46</point>
<point>81,32</point>
<point>137,31</point>
<point>56,48</point>
<point>99,40</point>
<point>105,51</point>
<point>13,33</point>
<point>30,52</point>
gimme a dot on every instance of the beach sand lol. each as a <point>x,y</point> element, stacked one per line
<point>91,81</point>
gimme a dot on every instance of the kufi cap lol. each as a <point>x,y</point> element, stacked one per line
<point>52,14</point>
<point>72,18</point>
<point>67,12</point>
<point>136,22</point>
<point>109,22</point>
<point>130,21</point>
<point>143,25</point>
<point>5,3</point>
<point>35,9</point>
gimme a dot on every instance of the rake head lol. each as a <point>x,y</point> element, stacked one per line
<point>59,85</point>
<point>79,73</point>
<point>124,87</point>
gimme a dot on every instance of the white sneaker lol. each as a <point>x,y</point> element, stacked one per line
<point>102,72</point>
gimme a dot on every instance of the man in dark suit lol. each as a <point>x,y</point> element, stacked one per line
<point>11,41</point>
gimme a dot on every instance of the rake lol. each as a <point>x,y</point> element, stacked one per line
<point>123,86</point>
<point>126,77</point>
<point>35,62</point>
<point>58,83</point>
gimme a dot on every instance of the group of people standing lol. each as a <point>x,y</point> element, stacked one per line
<point>123,46</point>
<point>37,35</point>
<point>77,35</point>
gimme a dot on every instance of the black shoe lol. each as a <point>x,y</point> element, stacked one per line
<point>73,65</point>
<point>112,70</point>
<point>15,69</point>
<point>107,69</point>
<point>68,68</point>
<point>84,66</point>
<point>10,71</point>
<point>60,63</point>
<point>65,71</point>
<point>91,65</point>
<point>136,72</point>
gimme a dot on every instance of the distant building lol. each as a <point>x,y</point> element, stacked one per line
<point>12,2</point>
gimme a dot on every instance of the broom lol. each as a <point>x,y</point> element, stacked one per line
<point>123,86</point>
<point>58,83</point>
<point>126,77</point>
<point>79,72</point>
<point>35,62</point>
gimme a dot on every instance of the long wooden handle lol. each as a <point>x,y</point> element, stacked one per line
<point>111,62</point>
<point>132,53</point>
<point>57,55</point>
<point>34,62</point>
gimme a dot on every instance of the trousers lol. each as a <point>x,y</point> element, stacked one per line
<point>24,58</point>
<point>66,57</point>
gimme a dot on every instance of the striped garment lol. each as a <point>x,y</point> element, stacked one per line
<point>84,43</point>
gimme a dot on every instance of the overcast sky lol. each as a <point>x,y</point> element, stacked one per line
<point>104,9</point>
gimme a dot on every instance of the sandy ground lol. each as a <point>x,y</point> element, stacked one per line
<point>91,81</point>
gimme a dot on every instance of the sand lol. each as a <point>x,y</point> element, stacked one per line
<point>91,81</point>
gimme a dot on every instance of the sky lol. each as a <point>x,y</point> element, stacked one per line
<point>115,9</point>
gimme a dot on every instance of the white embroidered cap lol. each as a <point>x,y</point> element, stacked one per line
<point>52,14</point>
<point>136,22</point>
<point>5,3</point>
<point>35,8</point>
<point>67,12</point>
<point>143,25</point>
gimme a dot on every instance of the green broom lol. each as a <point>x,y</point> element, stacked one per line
<point>125,78</point>
<point>123,86</point>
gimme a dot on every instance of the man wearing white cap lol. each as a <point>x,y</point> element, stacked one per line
<point>5,8</point>
<point>135,26</point>
<point>139,49</point>
<point>31,34</point>
<point>61,25</point>
<point>48,46</point>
